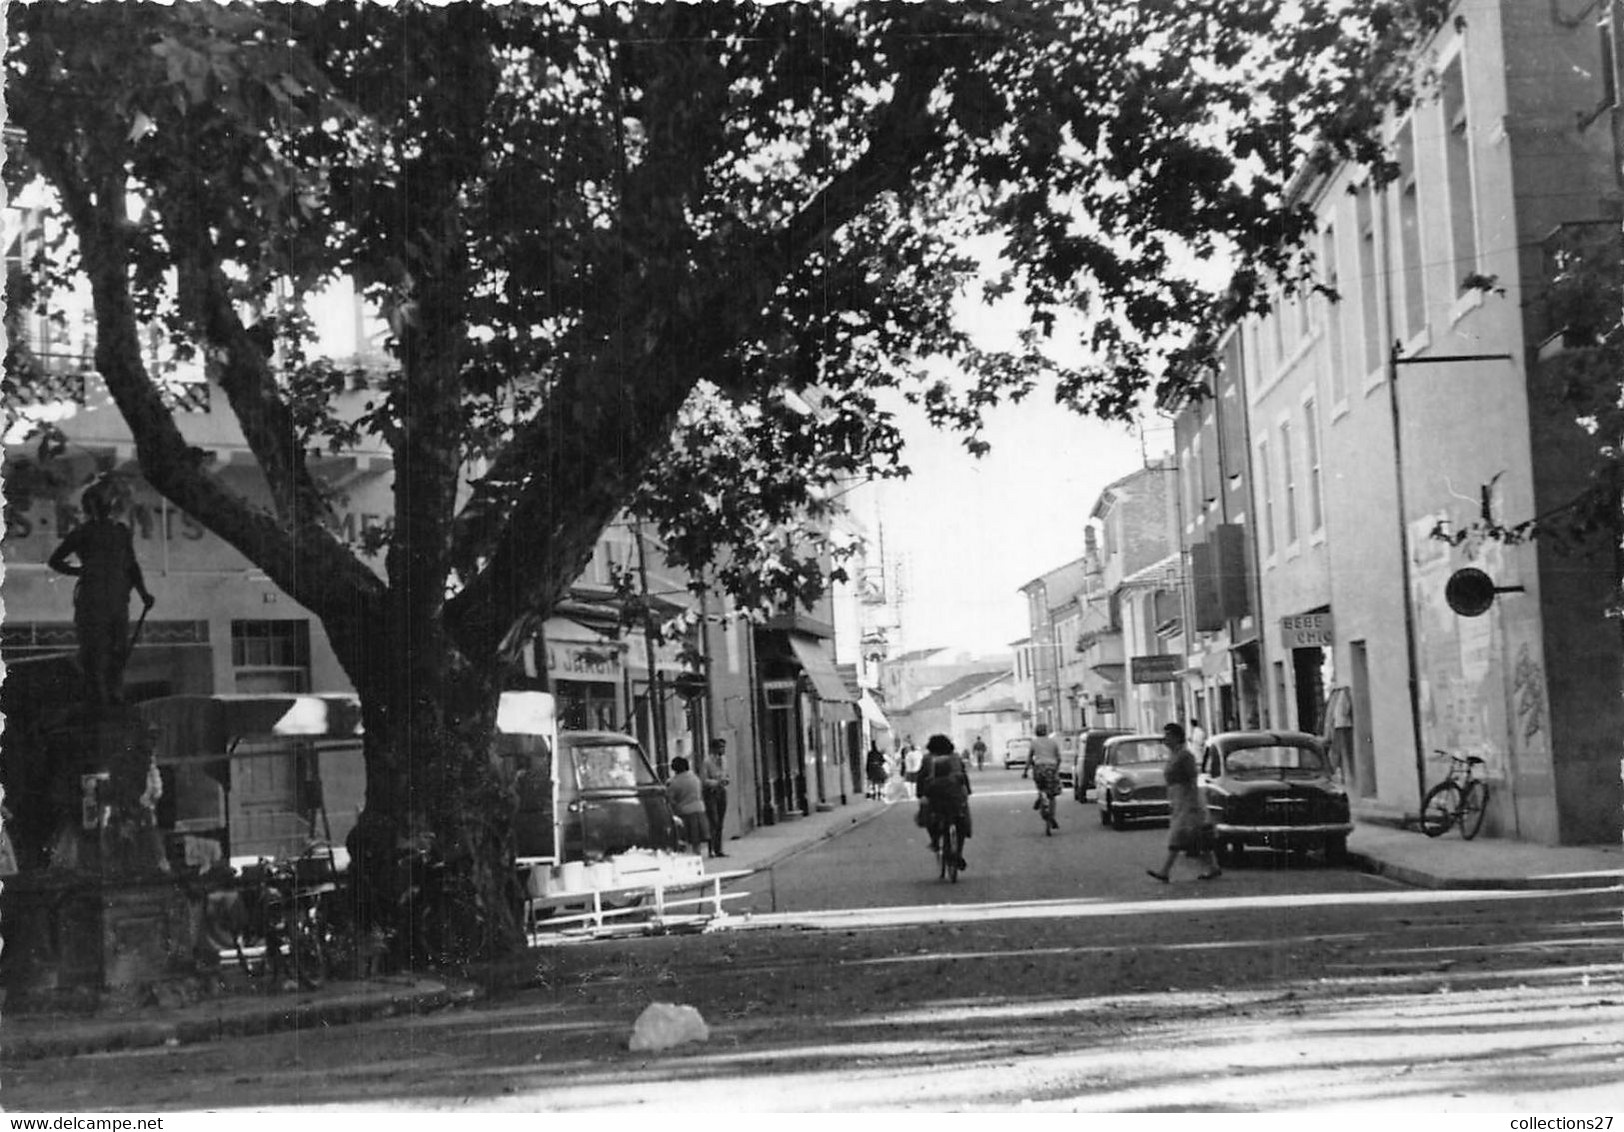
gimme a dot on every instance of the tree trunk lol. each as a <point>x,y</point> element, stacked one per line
<point>431,854</point>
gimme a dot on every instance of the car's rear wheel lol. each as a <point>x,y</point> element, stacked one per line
<point>1336,851</point>
<point>1230,853</point>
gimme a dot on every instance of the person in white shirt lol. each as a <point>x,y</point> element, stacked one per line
<point>911,758</point>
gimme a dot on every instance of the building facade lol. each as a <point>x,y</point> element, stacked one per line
<point>1413,407</point>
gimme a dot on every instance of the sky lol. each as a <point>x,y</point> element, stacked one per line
<point>967,533</point>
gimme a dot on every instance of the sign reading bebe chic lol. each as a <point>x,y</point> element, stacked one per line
<point>1307,631</point>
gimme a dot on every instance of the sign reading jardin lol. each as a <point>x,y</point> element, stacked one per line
<point>1306,631</point>
<point>1163,669</point>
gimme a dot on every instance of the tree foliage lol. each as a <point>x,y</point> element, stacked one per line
<point>1582,305</point>
<point>610,241</point>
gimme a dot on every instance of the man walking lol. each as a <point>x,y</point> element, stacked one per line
<point>715,780</point>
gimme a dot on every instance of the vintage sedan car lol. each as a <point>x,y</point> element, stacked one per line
<point>1016,752</point>
<point>1068,748</point>
<point>1274,789</point>
<point>1129,783</point>
<point>1085,759</point>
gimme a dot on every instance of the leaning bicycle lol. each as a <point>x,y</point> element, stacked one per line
<point>1460,800</point>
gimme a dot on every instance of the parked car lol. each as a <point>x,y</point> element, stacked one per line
<point>1274,789</point>
<point>1085,761</point>
<point>1129,784</point>
<point>1016,752</point>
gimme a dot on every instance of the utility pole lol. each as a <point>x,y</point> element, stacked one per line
<point>656,689</point>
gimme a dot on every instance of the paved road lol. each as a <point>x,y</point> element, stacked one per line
<point>1050,977</point>
<point>1011,860</point>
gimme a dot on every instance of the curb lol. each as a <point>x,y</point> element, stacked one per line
<point>1422,879</point>
<point>273,1018</point>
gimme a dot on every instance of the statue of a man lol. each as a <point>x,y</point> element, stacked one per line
<point>107,572</point>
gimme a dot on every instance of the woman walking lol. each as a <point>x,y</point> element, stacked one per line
<point>876,772</point>
<point>1187,830</point>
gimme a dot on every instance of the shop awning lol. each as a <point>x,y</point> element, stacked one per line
<point>202,727</point>
<point>564,630</point>
<point>821,670</point>
<point>871,712</point>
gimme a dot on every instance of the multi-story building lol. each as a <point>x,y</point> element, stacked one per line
<point>1047,596</point>
<point>1415,405</point>
<point>1214,508</point>
<point>1133,627</point>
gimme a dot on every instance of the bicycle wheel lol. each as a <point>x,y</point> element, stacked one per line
<point>955,839</point>
<point>1439,809</point>
<point>1474,803</point>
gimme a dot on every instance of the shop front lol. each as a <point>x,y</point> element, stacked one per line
<point>586,672</point>
<point>804,710</point>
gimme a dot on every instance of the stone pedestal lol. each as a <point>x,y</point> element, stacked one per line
<point>104,922</point>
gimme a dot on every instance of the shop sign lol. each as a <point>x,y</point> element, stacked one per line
<point>1161,669</point>
<point>583,660</point>
<point>1105,705</point>
<point>1306,631</point>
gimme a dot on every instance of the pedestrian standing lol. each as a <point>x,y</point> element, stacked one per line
<point>1198,738</point>
<point>715,782</point>
<point>979,750</point>
<point>687,796</point>
<point>910,761</point>
<point>1188,829</point>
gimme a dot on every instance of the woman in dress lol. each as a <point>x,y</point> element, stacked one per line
<point>1188,821</point>
<point>876,772</point>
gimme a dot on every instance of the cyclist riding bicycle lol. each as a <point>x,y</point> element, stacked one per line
<point>945,785</point>
<point>1043,758</point>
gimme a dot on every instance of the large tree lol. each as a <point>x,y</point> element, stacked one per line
<point>578,220</point>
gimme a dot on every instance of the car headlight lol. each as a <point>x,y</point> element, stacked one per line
<point>1123,789</point>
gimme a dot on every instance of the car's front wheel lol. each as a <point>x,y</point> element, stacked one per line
<point>1119,820</point>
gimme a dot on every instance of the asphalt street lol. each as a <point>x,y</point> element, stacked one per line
<point>1053,976</point>
<point>887,862</point>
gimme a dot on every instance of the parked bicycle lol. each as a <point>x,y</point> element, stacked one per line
<point>1460,800</point>
<point>289,903</point>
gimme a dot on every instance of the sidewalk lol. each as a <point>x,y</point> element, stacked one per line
<point>1451,861</point>
<point>1403,855</point>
